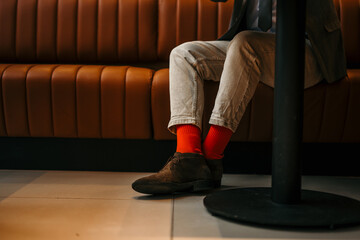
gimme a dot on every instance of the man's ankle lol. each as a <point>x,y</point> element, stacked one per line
<point>188,139</point>
<point>216,142</point>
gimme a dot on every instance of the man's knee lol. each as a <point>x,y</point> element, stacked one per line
<point>182,50</point>
<point>252,42</point>
<point>243,38</point>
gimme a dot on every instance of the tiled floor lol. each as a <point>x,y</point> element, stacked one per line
<point>70,205</point>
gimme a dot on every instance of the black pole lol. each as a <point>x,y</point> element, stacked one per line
<point>288,102</point>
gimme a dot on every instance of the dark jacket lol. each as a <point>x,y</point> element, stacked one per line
<point>324,33</point>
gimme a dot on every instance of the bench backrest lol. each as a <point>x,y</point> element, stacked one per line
<point>109,31</point>
<point>125,31</point>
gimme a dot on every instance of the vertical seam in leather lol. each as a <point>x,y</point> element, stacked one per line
<point>15,36</point>
<point>97,31</point>
<point>27,100</point>
<point>322,115</point>
<point>124,102</point>
<point>76,103</point>
<point>151,78</point>
<point>197,20</point>
<point>157,33</point>
<point>36,29</point>
<point>177,23</point>
<point>56,31</point>
<point>76,33</point>
<point>137,31</point>
<point>100,108</point>
<point>158,30</point>
<point>347,110</point>
<point>217,20</point>
<point>51,101</point>
<point>2,96</point>
<point>117,30</point>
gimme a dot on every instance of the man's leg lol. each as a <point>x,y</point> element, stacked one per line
<point>250,59</point>
<point>190,64</point>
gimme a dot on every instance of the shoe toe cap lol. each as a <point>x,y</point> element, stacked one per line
<point>144,185</point>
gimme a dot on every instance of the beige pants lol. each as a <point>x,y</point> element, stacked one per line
<point>239,65</point>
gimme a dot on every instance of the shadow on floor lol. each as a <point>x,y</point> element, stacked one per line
<point>11,181</point>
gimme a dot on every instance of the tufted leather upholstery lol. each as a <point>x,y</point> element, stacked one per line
<point>104,31</point>
<point>75,101</point>
<point>70,68</point>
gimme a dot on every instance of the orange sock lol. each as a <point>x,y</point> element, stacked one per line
<point>216,142</point>
<point>188,139</point>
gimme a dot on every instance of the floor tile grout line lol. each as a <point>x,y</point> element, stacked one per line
<point>68,198</point>
<point>172,219</point>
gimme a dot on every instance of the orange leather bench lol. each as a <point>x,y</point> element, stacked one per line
<point>98,69</point>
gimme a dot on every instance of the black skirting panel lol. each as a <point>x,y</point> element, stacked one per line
<point>149,156</point>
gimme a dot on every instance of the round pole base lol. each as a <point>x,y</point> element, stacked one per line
<point>254,206</point>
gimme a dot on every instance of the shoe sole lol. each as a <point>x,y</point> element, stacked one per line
<point>169,188</point>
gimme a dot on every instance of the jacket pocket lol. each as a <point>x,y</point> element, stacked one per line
<point>332,25</point>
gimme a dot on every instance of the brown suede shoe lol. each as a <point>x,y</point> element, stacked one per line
<point>184,172</point>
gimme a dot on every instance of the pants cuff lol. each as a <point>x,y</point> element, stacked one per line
<point>220,122</point>
<point>178,121</point>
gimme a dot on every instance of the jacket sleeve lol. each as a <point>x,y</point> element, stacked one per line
<point>324,31</point>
